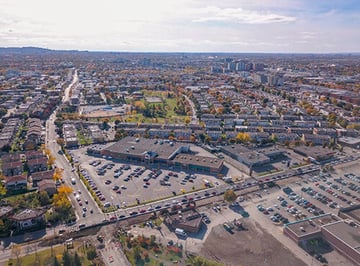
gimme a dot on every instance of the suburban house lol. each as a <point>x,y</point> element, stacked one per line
<point>39,176</point>
<point>33,155</point>
<point>12,168</point>
<point>48,186</point>
<point>16,182</point>
<point>11,157</point>
<point>33,135</point>
<point>37,165</point>
<point>29,218</point>
<point>315,139</point>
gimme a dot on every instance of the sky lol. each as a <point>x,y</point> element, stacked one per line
<point>286,26</point>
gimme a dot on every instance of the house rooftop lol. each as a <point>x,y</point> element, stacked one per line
<point>28,214</point>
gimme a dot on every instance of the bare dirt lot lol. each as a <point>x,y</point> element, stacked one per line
<point>252,246</point>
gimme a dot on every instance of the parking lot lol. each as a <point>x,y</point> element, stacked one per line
<point>121,184</point>
<point>313,196</point>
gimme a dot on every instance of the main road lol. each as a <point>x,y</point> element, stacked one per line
<point>194,119</point>
<point>68,171</point>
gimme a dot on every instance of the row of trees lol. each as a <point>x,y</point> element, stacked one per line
<point>68,259</point>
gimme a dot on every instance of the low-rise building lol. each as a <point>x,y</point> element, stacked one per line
<point>343,236</point>
<point>29,218</point>
<point>316,154</point>
<point>188,220</point>
<point>39,176</point>
<point>12,168</point>
<point>70,136</point>
<point>37,165</point>
<point>16,182</point>
<point>48,186</point>
<point>198,163</point>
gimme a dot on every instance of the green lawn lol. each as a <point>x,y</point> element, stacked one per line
<point>83,140</point>
<point>151,255</point>
<point>170,116</point>
<point>46,257</point>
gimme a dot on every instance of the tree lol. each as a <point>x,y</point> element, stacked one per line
<point>67,258</point>
<point>6,148</point>
<point>136,254</point>
<point>60,141</point>
<point>243,137</point>
<point>47,152</point>
<point>65,189</point>
<point>332,118</point>
<point>2,187</point>
<point>51,159</point>
<point>152,240</point>
<point>56,262</point>
<point>62,206</point>
<point>187,120</point>
<point>91,253</point>
<point>58,174</point>
<point>44,198</point>
<point>230,196</point>
<point>77,261</point>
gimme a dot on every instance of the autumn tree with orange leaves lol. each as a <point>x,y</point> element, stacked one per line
<point>58,174</point>
<point>61,203</point>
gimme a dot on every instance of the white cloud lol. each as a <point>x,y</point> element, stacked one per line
<point>239,15</point>
<point>178,25</point>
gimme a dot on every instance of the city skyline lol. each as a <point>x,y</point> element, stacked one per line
<point>183,26</point>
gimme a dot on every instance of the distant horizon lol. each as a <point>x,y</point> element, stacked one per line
<point>178,52</point>
<point>228,26</point>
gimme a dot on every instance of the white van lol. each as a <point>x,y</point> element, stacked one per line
<point>180,232</point>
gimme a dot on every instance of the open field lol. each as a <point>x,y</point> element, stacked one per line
<point>253,246</point>
<point>29,257</point>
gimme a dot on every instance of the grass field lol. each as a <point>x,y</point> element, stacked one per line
<point>46,257</point>
<point>169,105</point>
<point>145,251</point>
<point>83,140</point>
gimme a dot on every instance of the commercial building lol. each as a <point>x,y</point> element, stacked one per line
<point>163,152</point>
<point>315,154</point>
<point>188,220</point>
<point>252,158</point>
<point>349,142</point>
<point>342,235</point>
<point>145,150</point>
<point>198,163</point>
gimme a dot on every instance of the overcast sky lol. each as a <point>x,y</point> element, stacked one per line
<point>183,25</point>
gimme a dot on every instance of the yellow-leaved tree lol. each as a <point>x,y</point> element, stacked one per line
<point>62,204</point>
<point>58,174</point>
<point>243,137</point>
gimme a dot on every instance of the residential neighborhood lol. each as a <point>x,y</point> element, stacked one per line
<point>193,148</point>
